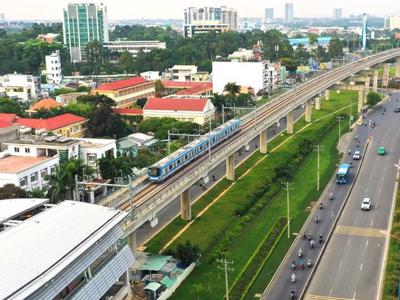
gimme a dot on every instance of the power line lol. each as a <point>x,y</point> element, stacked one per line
<point>226,267</point>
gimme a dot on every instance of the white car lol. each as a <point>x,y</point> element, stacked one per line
<point>366,204</point>
<point>356,155</point>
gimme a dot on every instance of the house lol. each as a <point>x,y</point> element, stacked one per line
<point>197,110</point>
<point>19,86</point>
<point>129,145</point>
<point>183,72</point>
<point>45,104</point>
<point>194,88</point>
<point>93,149</point>
<point>8,132</point>
<point>68,125</point>
<point>126,92</point>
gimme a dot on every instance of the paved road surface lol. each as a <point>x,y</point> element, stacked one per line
<point>165,215</point>
<point>352,264</point>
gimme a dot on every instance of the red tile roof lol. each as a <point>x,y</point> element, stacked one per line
<point>128,111</point>
<point>45,104</point>
<point>9,118</point>
<point>4,124</point>
<point>196,90</point>
<point>170,84</point>
<point>50,123</point>
<point>175,104</point>
<point>121,84</point>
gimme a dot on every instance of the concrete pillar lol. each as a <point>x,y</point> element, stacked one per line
<point>289,123</point>
<point>308,111</point>
<point>360,100</point>
<point>230,168</point>
<point>385,78</point>
<point>263,142</point>
<point>132,241</point>
<point>367,84</point>
<point>317,103</point>
<point>398,67</point>
<point>375,81</point>
<point>186,209</point>
<point>327,95</point>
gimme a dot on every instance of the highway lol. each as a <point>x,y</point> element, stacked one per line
<point>351,267</point>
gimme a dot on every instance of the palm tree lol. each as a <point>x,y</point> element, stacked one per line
<point>58,188</point>
<point>232,88</point>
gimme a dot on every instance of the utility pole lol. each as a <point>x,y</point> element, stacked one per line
<point>226,267</point>
<point>209,140</point>
<point>223,114</point>
<point>318,148</point>
<point>339,119</point>
<point>350,115</point>
<point>169,144</point>
<point>286,185</point>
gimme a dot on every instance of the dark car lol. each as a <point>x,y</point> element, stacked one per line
<point>397,110</point>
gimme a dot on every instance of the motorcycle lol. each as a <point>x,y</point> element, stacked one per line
<point>312,243</point>
<point>320,239</point>
<point>331,196</point>
<point>293,266</point>
<point>292,294</point>
<point>309,263</point>
<point>316,219</point>
<point>321,206</point>
<point>293,278</point>
<point>300,253</point>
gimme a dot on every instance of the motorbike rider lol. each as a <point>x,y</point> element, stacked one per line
<point>320,238</point>
<point>293,278</point>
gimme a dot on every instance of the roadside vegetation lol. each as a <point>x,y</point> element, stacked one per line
<point>237,225</point>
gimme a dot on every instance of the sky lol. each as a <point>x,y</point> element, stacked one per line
<point>165,9</point>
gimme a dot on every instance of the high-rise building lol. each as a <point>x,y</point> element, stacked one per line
<point>394,22</point>
<point>53,68</point>
<point>84,23</point>
<point>269,15</point>
<point>289,12</point>
<point>337,13</point>
<point>364,32</point>
<point>2,17</point>
<point>204,19</point>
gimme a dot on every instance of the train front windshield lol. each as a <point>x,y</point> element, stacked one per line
<point>154,172</point>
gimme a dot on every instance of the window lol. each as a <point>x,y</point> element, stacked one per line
<point>52,170</point>
<point>16,149</point>
<point>34,177</point>
<point>43,173</point>
<point>91,157</point>
<point>23,182</point>
<point>27,150</point>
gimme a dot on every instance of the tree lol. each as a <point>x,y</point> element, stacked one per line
<point>10,106</point>
<point>10,191</point>
<point>289,63</point>
<point>232,88</point>
<point>188,252</point>
<point>126,62</point>
<point>141,102</point>
<point>160,89</point>
<point>373,98</point>
<point>313,39</point>
<point>111,167</point>
<point>335,47</point>
<point>301,55</point>
<point>94,56</point>
<point>102,121</point>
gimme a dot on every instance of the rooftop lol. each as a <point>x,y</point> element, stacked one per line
<point>121,84</point>
<point>50,123</point>
<point>12,208</point>
<point>128,111</point>
<point>176,104</point>
<point>15,164</point>
<point>45,104</point>
<point>46,141</point>
<point>196,90</point>
<point>37,250</point>
<point>8,118</point>
<point>4,124</point>
<point>170,84</point>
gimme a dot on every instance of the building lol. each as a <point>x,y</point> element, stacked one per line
<point>242,55</point>
<point>67,125</point>
<point>8,132</point>
<point>126,92</point>
<point>183,72</point>
<point>289,15</point>
<point>151,75</point>
<point>259,76</point>
<point>364,32</point>
<point>175,87</point>
<point>205,19</point>
<point>199,110</point>
<point>53,68</point>
<point>45,104</point>
<point>134,47</point>
<point>394,22</point>
<point>84,23</point>
<point>18,86</point>
<point>93,149</point>
<point>73,250</point>
<point>338,13</point>
<point>269,16</point>
<point>69,98</point>
<point>48,37</point>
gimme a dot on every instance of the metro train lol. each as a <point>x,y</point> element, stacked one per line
<point>169,165</point>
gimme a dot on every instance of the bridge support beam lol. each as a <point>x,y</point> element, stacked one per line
<point>317,101</point>
<point>360,100</point>
<point>398,67</point>
<point>375,81</point>
<point>263,142</point>
<point>230,168</point>
<point>132,241</point>
<point>289,123</point>
<point>186,209</point>
<point>327,95</point>
<point>308,111</point>
<point>385,78</point>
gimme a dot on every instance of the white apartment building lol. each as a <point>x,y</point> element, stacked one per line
<point>151,75</point>
<point>204,19</point>
<point>27,172</point>
<point>19,86</point>
<point>53,68</point>
<point>134,47</point>
<point>93,149</point>
<point>394,22</point>
<point>183,72</point>
<point>241,55</point>
<point>256,75</point>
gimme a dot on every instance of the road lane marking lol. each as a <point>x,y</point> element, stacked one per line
<point>366,244</point>
<point>360,231</point>
<point>348,242</point>
<point>320,297</point>
<point>330,292</point>
<point>372,223</point>
<point>354,295</point>
<point>340,265</point>
<point>361,267</point>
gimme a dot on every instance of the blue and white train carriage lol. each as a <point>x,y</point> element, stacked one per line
<point>180,158</point>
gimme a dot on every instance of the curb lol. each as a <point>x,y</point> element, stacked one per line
<point>334,224</point>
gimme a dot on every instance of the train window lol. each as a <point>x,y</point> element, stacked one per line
<point>186,157</point>
<point>154,172</point>
<point>170,167</point>
<point>179,161</point>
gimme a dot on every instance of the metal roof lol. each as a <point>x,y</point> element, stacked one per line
<point>33,253</point>
<point>12,208</point>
